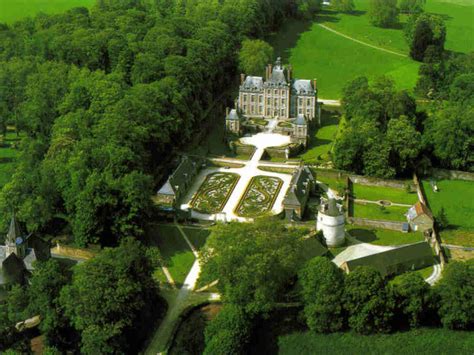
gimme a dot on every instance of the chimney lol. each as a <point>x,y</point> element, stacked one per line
<point>242,78</point>
<point>267,72</point>
<point>315,84</point>
<point>289,72</point>
<point>270,68</point>
<point>226,111</point>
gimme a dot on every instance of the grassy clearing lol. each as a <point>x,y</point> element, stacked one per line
<point>176,253</point>
<point>13,10</point>
<point>377,193</point>
<point>457,199</point>
<point>321,141</point>
<point>419,341</point>
<point>380,236</point>
<point>373,211</point>
<point>315,52</point>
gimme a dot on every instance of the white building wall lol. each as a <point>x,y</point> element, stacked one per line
<point>333,229</point>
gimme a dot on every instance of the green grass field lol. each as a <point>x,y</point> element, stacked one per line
<point>373,211</point>
<point>320,142</point>
<point>420,341</point>
<point>197,236</point>
<point>457,199</point>
<point>176,253</point>
<point>377,193</point>
<point>13,10</point>
<point>380,236</point>
<point>315,52</point>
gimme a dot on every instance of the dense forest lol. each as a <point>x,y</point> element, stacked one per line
<point>105,98</point>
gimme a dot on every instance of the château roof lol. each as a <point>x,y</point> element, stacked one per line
<point>300,120</point>
<point>303,87</point>
<point>233,115</point>
<point>298,185</point>
<point>253,83</point>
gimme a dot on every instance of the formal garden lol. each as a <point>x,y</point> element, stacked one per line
<point>456,199</point>
<point>214,192</point>
<point>259,196</point>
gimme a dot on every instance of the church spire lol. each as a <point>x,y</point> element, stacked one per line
<point>13,231</point>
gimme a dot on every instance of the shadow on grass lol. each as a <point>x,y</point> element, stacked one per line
<point>363,235</point>
<point>287,37</point>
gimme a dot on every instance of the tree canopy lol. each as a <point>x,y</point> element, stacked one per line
<point>383,13</point>
<point>254,56</point>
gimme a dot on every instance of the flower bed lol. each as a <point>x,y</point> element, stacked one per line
<point>259,196</point>
<point>214,192</point>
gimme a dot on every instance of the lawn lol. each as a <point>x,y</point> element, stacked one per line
<point>197,236</point>
<point>12,10</point>
<point>419,341</point>
<point>321,140</point>
<point>379,236</point>
<point>176,253</point>
<point>377,193</point>
<point>457,199</point>
<point>8,155</point>
<point>315,52</point>
<point>373,211</point>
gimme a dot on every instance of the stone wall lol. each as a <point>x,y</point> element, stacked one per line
<point>452,174</point>
<point>281,152</point>
<point>371,181</point>
<point>396,226</point>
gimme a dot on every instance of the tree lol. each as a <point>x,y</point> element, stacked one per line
<point>426,35</point>
<point>45,286</point>
<point>449,133</point>
<point>367,301</point>
<point>322,288</point>
<point>229,332</point>
<point>253,262</point>
<point>455,289</point>
<point>111,299</point>
<point>383,13</point>
<point>411,6</point>
<point>413,298</point>
<point>307,8</point>
<point>254,56</point>
<point>442,219</point>
<point>343,5</point>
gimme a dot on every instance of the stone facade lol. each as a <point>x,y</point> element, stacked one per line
<point>278,95</point>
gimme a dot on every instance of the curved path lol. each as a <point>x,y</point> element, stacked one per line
<point>435,276</point>
<point>360,42</point>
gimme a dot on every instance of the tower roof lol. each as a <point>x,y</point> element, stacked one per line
<point>13,231</point>
<point>233,115</point>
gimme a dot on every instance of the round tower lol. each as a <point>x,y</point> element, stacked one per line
<point>331,221</point>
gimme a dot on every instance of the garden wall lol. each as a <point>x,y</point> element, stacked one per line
<point>396,226</point>
<point>363,180</point>
<point>283,152</point>
<point>242,149</point>
<point>452,174</point>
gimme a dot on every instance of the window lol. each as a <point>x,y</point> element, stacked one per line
<point>245,97</point>
<point>300,101</point>
<point>283,112</point>
<point>308,102</point>
<point>300,110</point>
<point>269,101</point>
<point>252,98</point>
<point>260,98</point>
<point>282,101</point>
<point>275,92</point>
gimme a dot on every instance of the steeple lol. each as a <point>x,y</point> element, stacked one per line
<point>14,241</point>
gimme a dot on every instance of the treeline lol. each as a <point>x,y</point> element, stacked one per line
<point>265,265</point>
<point>106,96</point>
<point>107,305</point>
<point>387,134</point>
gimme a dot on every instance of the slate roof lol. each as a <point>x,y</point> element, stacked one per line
<point>13,270</point>
<point>297,191</point>
<point>178,178</point>
<point>418,209</point>
<point>233,115</point>
<point>303,87</point>
<point>332,209</point>
<point>382,261</point>
<point>300,120</point>
<point>253,83</point>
